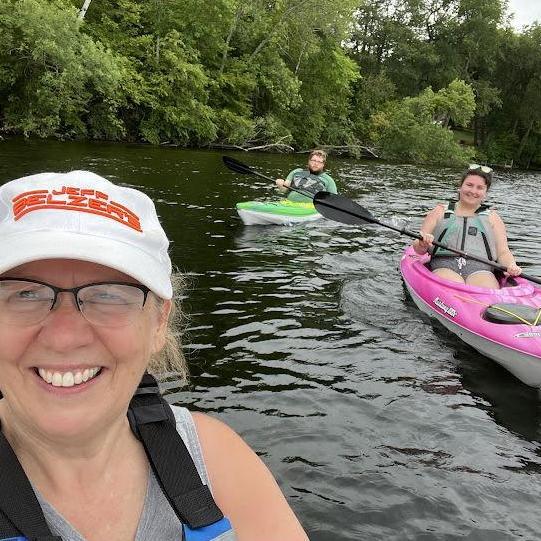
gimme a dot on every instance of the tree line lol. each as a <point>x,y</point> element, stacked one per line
<point>427,81</point>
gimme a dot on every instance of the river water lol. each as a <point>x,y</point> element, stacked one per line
<point>377,423</point>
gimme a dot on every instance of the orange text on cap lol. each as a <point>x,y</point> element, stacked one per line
<point>78,199</point>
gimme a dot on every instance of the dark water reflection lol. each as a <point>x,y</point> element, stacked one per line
<point>377,423</point>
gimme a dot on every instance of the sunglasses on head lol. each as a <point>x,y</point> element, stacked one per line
<point>476,167</point>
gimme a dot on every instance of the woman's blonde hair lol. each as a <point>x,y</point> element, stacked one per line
<point>170,361</point>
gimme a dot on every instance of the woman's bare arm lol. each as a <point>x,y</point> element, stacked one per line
<point>505,256</point>
<point>243,487</point>
<point>428,226</point>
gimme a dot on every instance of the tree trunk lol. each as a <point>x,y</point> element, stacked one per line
<point>82,13</point>
<point>276,26</point>
<point>515,127</point>
<point>300,57</point>
<point>524,140</point>
<point>238,15</point>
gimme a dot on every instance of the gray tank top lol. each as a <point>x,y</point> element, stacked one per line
<point>158,520</point>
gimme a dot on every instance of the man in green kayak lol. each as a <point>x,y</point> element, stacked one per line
<point>310,180</point>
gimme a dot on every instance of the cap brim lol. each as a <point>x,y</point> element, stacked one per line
<point>126,258</point>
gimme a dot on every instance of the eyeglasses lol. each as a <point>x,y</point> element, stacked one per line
<point>483,168</point>
<point>114,304</point>
<point>315,161</point>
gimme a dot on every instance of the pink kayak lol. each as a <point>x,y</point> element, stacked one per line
<point>503,324</point>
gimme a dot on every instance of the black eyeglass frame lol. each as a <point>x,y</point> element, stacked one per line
<point>75,290</point>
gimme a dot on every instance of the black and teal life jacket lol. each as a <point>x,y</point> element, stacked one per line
<point>153,423</point>
<point>471,234</point>
<point>308,182</point>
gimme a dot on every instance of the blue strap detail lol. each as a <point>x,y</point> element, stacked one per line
<point>206,533</point>
<point>14,539</point>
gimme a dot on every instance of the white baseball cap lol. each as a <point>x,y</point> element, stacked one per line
<point>80,215</point>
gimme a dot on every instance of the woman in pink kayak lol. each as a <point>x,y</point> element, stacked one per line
<point>472,227</point>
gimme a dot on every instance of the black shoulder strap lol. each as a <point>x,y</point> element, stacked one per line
<point>446,215</point>
<point>20,512</point>
<point>482,208</point>
<point>450,209</point>
<point>153,422</point>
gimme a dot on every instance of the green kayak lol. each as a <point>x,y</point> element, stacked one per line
<point>282,212</point>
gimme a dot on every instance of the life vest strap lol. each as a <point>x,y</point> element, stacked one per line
<point>152,420</point>
<point>449,212</point>
<point>20,512</point>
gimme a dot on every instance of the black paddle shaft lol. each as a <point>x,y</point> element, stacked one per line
<point>244,169</point>
<point>341,209</point>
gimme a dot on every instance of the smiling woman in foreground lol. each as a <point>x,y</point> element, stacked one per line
<point>88,448</point>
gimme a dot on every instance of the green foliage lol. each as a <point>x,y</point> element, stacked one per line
<point>54,80</point>
<point>455,103</point>
<point>501,148</point>
<point>413,129</point>
<point>301,77</point>
<point>173,105</point>
<point>326,100</point>
<point>402,138</point>
<point>517,78</point>
<point>370,94</point>
<point>395,73</point>
<point>270,128</point>
<point>234,129</point>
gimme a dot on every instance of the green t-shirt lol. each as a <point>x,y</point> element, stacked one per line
<point>309,182</point>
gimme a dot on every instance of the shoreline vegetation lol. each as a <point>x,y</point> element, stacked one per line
<point>355,151</point>
<point>438,82</point>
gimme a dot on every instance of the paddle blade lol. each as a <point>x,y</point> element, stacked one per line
<point>341,209</point>
<point>237,166</point>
